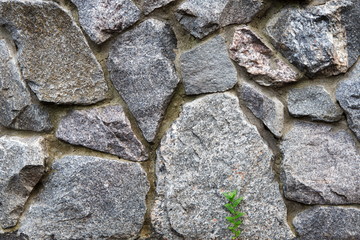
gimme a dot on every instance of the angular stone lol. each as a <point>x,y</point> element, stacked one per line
<point>328,223</point>
<point>89,198</point>
<point>18,109</point>
<point>22,164</point>
<point>201,18</point>
<point>53,55</point>
<point>320,40</point>
<point>348,95</point>
<point>210,149</point>
<point>207,68</point>
<point>150,5</point>
<point>249,51</point>
<point>142,70</point>
<point>314,102</point>
<point>267,108</point>
<point>105,129</point>
<point>101,18</point>
<point>321,165</point>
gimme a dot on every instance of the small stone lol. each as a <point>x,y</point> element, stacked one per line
<point>101,18</point>
<point>320,40</point>
<point>348,95</point>
<point>201,18</point>
<point>321,165</point>
<point>267,108</point>
<point>328,223</point>
<point>207,68</point>
<point>89,198</point>
<point>22,162</point>
<point>141,66</point>
<point>53,55</point>
<point>150,5</point>
<point>104,129</point>
<point>314,102</point>
<point>249,51</point>
<point>211,149</point>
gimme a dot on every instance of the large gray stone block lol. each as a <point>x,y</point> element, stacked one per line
<point>320,165</point>
<point>22,164</point>
<point>210,149</point>
<point>101,18</point>
<point>207,68</point>
<point>142,70</point>
<point>53,55</point>
<point>89,198</point>
<point>150,5</point>
<point>250,52</point>
<point>105,129</point>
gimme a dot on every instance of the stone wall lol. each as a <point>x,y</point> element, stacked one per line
<point>129,119</point>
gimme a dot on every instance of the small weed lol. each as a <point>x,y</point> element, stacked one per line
<point>234,219</point>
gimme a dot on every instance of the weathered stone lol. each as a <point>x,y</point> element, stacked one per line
<point>18,110</point>
<point>101,18</point>
<point>265,107</point>
<point>142,70</point>
<point>348,95</point>
<point>105,129</point>
<point>320,165</point>
<point>249,51</point>
<point>207,68</point>
<point>209,150</point>
<point>316,38</point>
<point>54,57</point>
<point>21,167</point>
<point>11,236</point>
<point>150,5</point>
<point>314,102</point>
<point>328,223</point>
<point>201,18</point>
<point>89,198</point>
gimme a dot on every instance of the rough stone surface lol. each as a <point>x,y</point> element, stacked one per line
<point>348,95</point>
<point>316,38</point>
<point>142,70</point>
<point>105,129</point>
<point>101,18</point>
<point>267,108</point>
<point>321,165</point>
<point>328,223</point>
<point>207,68</point>
<point>150,5</point>
<point>18,109</point>
<point>53,55</point>
<point>209,150</point>
<point>201,18</point>
<point>89,198</point>
<point>249,51</point>
<point>21,167</point>
<point>314,102</point>
<point>11,236</point>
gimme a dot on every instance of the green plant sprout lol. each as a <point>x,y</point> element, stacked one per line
<point>235,215</point>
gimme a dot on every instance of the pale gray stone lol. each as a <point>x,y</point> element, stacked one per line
<point>22,164</point>
<point>321,165</point>
<point>313,102</point>
<point>89,198</point>
<point>249,51</point>
<point>265,107</point>
<point>328,223</point>
<point>348,95</point>
<point>18,109</point>
<point>53,55</point>
<point>101,18</point>
<point>142,70</point>
<point>207,68</point>
<point>150,5</point>
<point>320,40</point>
<point>210,149</point>
<point>105,129</point>
<point>201,18</point>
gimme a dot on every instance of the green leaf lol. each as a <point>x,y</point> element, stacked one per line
<point>237,201</point>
